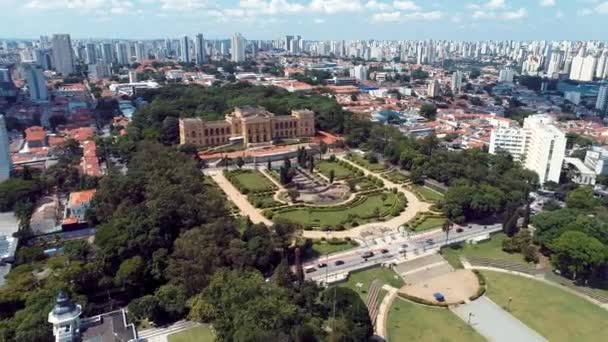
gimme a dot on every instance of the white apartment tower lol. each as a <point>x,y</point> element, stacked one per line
<point>185,49</point>
<point>140,52</point>
<point>456,81</point>
<point>122,53</point>
<point>238,48</point>
<point>63,54</point>
<point>199,47</point>
<point>433,89</point>
<point>36,82</point>
<point>360,72</point>
<point>540,146</point>
<point>506,75</point>
<point>91,53</point>
<point>5,153</point>
<point>601,103</point>
<point>602,65</point>
<point>583,68</point>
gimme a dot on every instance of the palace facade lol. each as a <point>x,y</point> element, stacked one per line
<point>251,124</point>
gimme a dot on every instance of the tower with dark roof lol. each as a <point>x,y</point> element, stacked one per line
<point>65,318</point>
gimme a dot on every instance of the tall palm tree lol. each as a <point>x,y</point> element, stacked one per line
<point>447,226</point>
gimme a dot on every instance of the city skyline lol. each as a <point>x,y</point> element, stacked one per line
<point>313,19</point>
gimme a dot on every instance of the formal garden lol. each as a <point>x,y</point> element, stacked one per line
<point>426,221</point>
<point>341,169</point>
<point>250,181</point>
<point>426,193</point>
<point>396,176</point>
<point>376,205</point>
<point>368,161</point>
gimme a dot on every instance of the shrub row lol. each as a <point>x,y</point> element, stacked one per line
<point>482,285</point>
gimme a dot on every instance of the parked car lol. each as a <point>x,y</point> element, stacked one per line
<point>430,241</point>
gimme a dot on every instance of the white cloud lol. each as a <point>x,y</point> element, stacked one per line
<point>319,20</point>
<point>376,5</point>
<point>399,16</point>
<point>494,4</point>
<point>547,3</point>
<point>121,7</point>
<point>386,17</point>
<point>335,6</point>
<point>481,14</point>
<point>584,12</point>
<point>183,5</point>
<point>405,5</point>
<point>602,8</point>
<point>514,15</point>
<point>271,6</point>
<point>64,4</point>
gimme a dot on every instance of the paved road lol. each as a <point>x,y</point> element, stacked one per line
<point>494,323</point>
<point>395,246</point>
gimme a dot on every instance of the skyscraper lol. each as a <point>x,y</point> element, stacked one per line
<point>199,47</point>
<point>433,89</point>
<point>185,49</point>
<point>36,82</point>
<point>63,55</point>
<point>91,53</point>
<point>5,153</point>
<point>140,52</point>
<point>456,81</point>
<point>601,103</point>
<point>238,48</point>
<point>122,52</point>
<point>107,53</point>
<point>505,75</point>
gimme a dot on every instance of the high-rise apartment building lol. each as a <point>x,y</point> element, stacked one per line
<point>6,162</point>
<point>184,49</point>
<point>107,53</point>
<point>140,52</point>
<point>63,55</point>
<point>122,53</point>
<point>601,103</point>
<point>91,53</point>
<point>36,82</point>
<point>433,89</point>
<point>238,48</point>
<point>199,47</point>
<point>583,68</point>
<point>456,81</point>
<point>360,72</point>
<point>539,145</point>
<point>505,75</point>
<point>602,65</point>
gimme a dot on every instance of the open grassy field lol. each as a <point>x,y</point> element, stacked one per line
<point>360,160</point>
<point>491,249</point>
<point>196,334</point>
<point>324,248</point>
<point>554,313</point>
<point>430,223</point>
<point>428,193</point>
<point>251,181</point>
<point>363,208</point>
<point>412,322</point>
<point>340,172</point>
<point>366,277</point>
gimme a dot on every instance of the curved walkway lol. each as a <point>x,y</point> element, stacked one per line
<point>383,311</point>
<point>240,200</point>
<point>414,206</point>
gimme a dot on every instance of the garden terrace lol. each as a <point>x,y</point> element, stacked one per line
<point>341,169</point>
<point>365,163</point>
<point>396,176</point>
<point>425,193</point>
<point>369,207</point>
<point>427,221</point>
<point>263,200</point>
<point>250,181</point>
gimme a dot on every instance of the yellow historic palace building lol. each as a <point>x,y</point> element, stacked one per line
<point>251,124</point>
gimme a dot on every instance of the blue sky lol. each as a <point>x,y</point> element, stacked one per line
<point>313,19</point>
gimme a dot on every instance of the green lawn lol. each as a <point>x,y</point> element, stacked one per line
<point>428,193</point>
<point>554,313</point>
<point>340,172</point>
<point>412,322</point>
<point>334,217</point>
<point>491,249</point>
<point>253,181</point>
<point>395,177</point>
<point>387,276</point>
<point>360,160</point>
<point>324,248</point>
<point>196,334</point>
<point>430,223</point>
